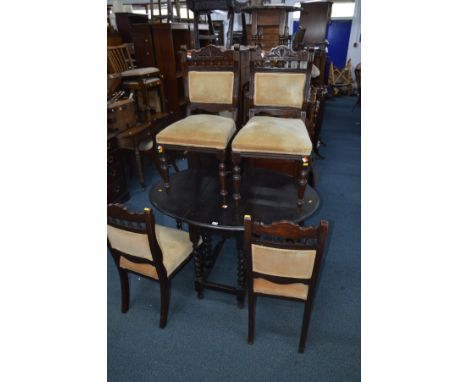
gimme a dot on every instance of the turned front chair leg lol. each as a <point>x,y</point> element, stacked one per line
<point>164,168</point>
<point>222,176</point>
<point>236,176</point>
<point>303,172</point>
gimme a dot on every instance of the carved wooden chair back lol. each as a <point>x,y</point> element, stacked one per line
<point>119,58</point>
<point>283,261</point>
<point>211,79</point>
<point>280,82</point>
<point>132,237</point>
<point>284,252</point>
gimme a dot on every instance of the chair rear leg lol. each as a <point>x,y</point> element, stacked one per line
<point>165,297</point>
<point>305,325</point>
<point>252,306</point>
<point>125,290</point>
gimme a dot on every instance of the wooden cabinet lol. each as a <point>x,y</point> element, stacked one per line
<point>158,44</point>
<point>315,18</point>
<point>270,25</point>
<point>116,182</point>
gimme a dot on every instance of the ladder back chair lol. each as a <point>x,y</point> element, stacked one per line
<point>138,79</point>
<point>211,77</point>
<point>280,88</point>
<point>140,246</point>
<point>283,261</point>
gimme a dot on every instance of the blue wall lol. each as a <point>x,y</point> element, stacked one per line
<point>338,38</point>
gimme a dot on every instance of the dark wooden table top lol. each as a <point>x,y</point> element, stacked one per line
<point>267,196</point>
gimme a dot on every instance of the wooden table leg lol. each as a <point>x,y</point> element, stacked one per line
<point>197,261</point>
<point>139,165</point>
<point>240,271</point>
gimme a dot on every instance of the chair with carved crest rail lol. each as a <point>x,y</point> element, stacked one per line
<point>280,87</point>
<point>283,261</point>
<point>140,246</point>
<point>211,77</point>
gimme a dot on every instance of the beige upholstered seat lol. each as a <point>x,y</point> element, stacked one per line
<point>200,130</point>
<point>137,72</point>
<point>175,246</point>
<point>296,290</point>
<point>273,135</point>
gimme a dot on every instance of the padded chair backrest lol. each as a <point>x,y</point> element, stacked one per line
<point>133,237</point>
<point>280,81</point>
<point>211,78</point>
<point>119,58</point>
<point>284,252</point>
<point>211,87</point>
<point>283,262</point>
<point>279,89</point>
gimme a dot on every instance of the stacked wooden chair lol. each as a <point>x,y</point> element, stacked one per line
<point>211,86</point>
<point>280,88</point>
<point>340,79</point>
<point>152,251</point>
<point>140,80</point>
<point>283,261</point>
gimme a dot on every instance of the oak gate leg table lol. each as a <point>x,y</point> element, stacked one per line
<point>194,198</point>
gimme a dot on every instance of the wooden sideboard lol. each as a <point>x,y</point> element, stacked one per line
<point>116,182</point>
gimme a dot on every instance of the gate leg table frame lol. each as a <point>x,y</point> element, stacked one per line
<point>268,196</point>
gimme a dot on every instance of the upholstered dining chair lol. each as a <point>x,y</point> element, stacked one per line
<point>279,98</point>
<point>140,80</point>
<point>283,261</point>
<point>140,246</point>
<point>211,78</point>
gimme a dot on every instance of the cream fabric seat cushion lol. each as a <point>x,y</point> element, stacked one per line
<point>279,89</point>
<point>211,87</point>
<point>273,135</point>
<point>297,290</point>
<point>199,130</point>
<point>140,72</point>
<point>175,246</point>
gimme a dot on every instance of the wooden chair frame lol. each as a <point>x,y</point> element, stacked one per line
<point>209,59</point>
<point>120,60</point>
<point>292,237</point>
<point>341,78</point>
<point>280,59</point>
<point>119,217</point>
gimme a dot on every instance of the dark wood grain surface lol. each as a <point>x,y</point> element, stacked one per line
<point>266,195</point>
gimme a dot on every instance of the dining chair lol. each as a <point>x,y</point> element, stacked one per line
<point>152,251</point>
<point>283,261</point>
<point>211,80</point>
<point>280,87</point>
